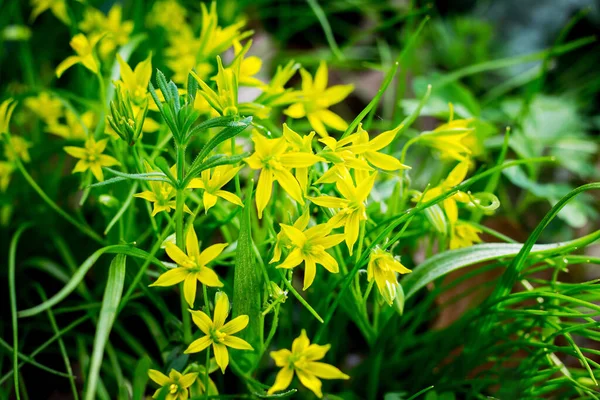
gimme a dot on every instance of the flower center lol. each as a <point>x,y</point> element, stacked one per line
<point>217,336</point>
<point>173,388</point>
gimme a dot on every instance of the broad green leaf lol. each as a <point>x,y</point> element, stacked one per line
<point>247,287</point>
<point>452,260</point>
<point>108,313</point>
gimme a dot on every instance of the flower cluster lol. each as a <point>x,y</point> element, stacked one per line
<point>268,198</point>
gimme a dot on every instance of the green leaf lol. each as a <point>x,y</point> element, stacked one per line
<point>82,271</point>
<point>452,260</point>
<point>232,129</point>
<point>162,164</point>
<point>247,287</point>
<point>108,312</point>
<point>140,377</point>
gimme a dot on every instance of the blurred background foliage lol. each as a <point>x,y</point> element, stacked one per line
<point>531,66</point>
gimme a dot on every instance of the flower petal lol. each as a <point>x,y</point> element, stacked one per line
<point>236,343</point>
<point>177,255</point>
<point>146,195</point>
<point>317,124</point>
<point>282,380</point>
<point>209,201</point>
<point>221,356</point>
<point>221,309</point>
<point>325,371</point>
<point>188,379</point>
<point>189,288</point>
<point>311,382</point>
<point>310,270</point>
<point>299,159</point>
<point>202,321</point>
<point>281,357</point>
<point>158,377</point>
<point>327,261</point>
<point>230,197</point>
<point>337,93</point>
<point>211,252</point>
<point>191,243</point>
<point>198,345</point>
<point>328,201</point>
<point>316,352</point>
<point>292,260</point>
<point>351,230</point>
<point>321,77</point>
<point>300,343</point>
<point>172,277</point>
<point>66,64</point>
<point>331,119</point>
<point>97,171</point>
<point>384,161</point>
<point>209,277</point>
<point>235,325</point>
<point>263,191</point>
<point>76,152</point>
<point>289,184</point>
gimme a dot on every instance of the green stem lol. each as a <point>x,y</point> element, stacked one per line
<point>207,366</point>
<point>299,297</point>
<point>83,228</point>
<point>180,240</point>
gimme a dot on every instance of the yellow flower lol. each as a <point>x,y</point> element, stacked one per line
<point>316,98</point>
<point>225,99</point>
<point>212,185</point>
<point>136,81</point>
<point>449,139</point>
<point>46,107</point>
<point>248,66</point>
<point>275,93</point>
<point>168,14</point>
<point>6,109</point>
<point>117,31</point>
<point>76,128</point>
<point>342,157</point>
<point>274,160</point>
<point>6,170</point>
<point>91,157</point>
<point>369,149</point>
<point>455,177</point>
<point>57,7</point>
<point>303,359</point>
<point>17,148</point>
<point>309,246</point>
<point>84,48</point>
<point>302,144</point>
<point>192,266</point>
<point>383,268</point>
<point>187,52</point>
<point>352,205</point>
<point>283,242</point>
<point>177,383</point>
<point>161,194</point>
<point>464,234</point>
<point>218,333</point>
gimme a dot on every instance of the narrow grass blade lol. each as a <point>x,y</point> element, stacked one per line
<point>108,312</point>
<point>12,255</point>
<point>82,271</point>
